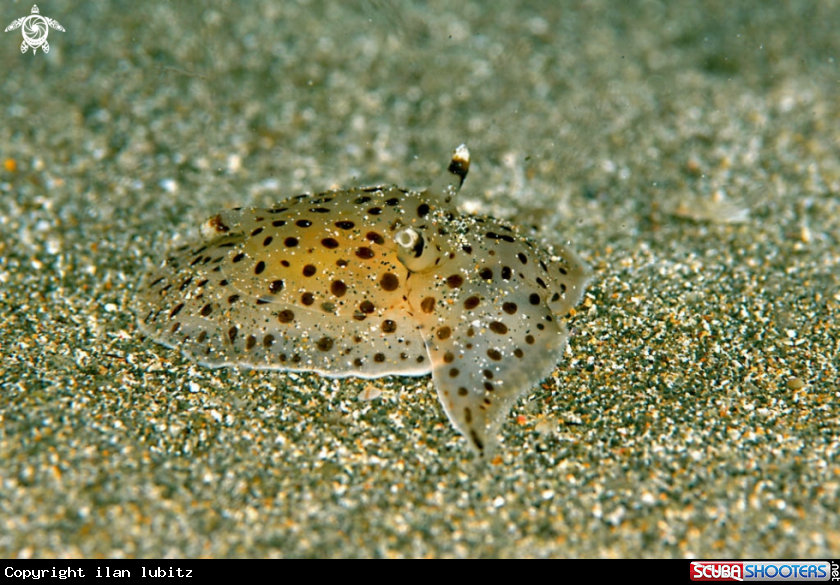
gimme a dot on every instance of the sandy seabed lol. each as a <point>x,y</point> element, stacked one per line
<point>687,150</point>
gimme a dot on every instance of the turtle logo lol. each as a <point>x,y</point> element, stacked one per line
<point>35,30</point>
